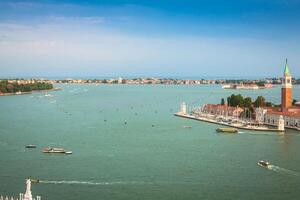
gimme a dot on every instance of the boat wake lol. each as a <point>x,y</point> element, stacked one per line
<point>282,170</point>
<point>93,183</point>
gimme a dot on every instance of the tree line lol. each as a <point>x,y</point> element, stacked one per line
<point>6,87</point>
<point>246,102</point>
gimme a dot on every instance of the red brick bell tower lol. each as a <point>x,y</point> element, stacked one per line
<point>286,90</point>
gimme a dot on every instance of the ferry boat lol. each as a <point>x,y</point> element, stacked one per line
<point>263,163</point>
<point>53,150</point>
<point>227,130</point>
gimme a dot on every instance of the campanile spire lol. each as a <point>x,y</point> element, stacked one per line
<point>286,90</point>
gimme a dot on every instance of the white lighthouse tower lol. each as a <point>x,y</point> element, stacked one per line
<point>183,108</point>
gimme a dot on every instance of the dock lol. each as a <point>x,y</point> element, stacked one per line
<point>238,126</point>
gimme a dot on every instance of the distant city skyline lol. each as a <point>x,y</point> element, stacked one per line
<point>149,38</point>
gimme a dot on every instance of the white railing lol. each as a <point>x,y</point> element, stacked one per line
<point>21,197</point>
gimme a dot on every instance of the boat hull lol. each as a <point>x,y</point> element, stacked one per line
<point>227,130</point>
<point>53,150</point>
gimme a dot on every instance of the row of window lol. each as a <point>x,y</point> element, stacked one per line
<point>272,121</point>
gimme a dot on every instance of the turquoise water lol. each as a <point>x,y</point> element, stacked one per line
<point>150,156</point>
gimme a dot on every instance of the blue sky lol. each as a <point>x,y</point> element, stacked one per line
<point>149,38</point>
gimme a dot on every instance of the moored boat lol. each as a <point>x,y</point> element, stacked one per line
<point>68,152</point>
<point>227,130</point>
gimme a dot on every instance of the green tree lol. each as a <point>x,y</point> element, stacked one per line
<point>294,101</point>
<point>235,100</point>
<point>247,102</point>
<point>269,104</point>
<point>260,101</point>
<point>222,101</point>
<point>228,101</point>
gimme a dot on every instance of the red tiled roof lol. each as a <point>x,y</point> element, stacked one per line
<point>286,113</point>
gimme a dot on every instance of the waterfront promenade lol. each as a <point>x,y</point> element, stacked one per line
<point>243,126</point>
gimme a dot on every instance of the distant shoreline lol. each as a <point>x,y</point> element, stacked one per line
<point>23,93</point>
<point>240,83</point>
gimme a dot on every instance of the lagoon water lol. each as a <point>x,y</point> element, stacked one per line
<point>151,156</point>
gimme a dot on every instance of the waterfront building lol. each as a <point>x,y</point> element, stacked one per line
<point>291,119</point>
<point>290,113</point>
<point>225,110</point>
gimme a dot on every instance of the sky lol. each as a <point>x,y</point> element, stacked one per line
<point>203,38</point>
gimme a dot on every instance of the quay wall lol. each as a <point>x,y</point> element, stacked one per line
<point>223,124</point>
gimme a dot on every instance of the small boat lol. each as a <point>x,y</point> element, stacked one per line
<point>34,180</point>
<point>263,163</point>
<point>68,152</point>
<point>187,126</point>
<point>227,130</point>
<point>30,146</point>
<point>53,150</point>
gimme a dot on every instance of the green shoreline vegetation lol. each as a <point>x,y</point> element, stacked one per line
<point>13,88</point>
<point>247,103</point>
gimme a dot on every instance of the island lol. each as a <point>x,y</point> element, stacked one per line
<point>15,87</point>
